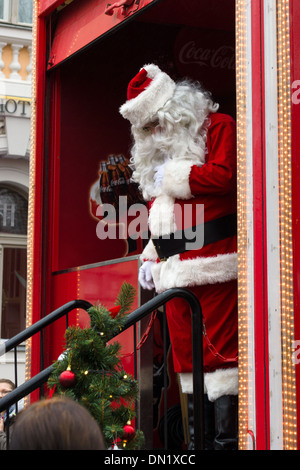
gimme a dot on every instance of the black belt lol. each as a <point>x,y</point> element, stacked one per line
<point>212,231</point>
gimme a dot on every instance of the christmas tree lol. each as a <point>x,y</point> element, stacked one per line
<point>90,371</point>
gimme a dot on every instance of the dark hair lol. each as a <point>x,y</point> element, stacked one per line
<point>58,423</point>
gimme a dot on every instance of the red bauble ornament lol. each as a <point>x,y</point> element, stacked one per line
<point>129,432</point>
<point>67,379</point>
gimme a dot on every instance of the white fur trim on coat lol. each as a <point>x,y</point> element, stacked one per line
<point>216,384</point>
<point>176,179</point>
<point>162,217</point>
<point>149,252</point>
<point>144,107</point>
<point>194,272</point>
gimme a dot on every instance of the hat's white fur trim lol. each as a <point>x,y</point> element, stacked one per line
<point>144,107</point>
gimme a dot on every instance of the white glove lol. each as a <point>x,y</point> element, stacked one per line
<point>145,276</point>
<point>159,174</point>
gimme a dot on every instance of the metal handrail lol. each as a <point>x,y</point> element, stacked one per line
<point>131,319</point>
<point>42,323</point>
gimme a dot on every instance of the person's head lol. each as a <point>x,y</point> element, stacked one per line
<point>58,423</point>
<point>6,386</point>
<point>169,121</point>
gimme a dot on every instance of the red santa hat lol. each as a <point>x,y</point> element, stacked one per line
<point>147,93</point>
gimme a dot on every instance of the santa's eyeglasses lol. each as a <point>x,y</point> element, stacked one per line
<point>150,126</point>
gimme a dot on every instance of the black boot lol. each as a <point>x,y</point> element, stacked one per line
<point>209,423</point>
<point>226,423</point>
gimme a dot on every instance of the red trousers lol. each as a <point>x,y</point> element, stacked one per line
<point>220,339</point>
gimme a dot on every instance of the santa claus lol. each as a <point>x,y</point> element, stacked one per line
<point>184,159</point>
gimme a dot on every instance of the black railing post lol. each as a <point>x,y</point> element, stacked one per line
<point>198,382</point>
<point>15,366</point>
<point>165,329</point>
<point>7,428</point>
<point>197,347</point>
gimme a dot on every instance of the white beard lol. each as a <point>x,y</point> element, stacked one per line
<point>152,150</point>
<point>145,157</point>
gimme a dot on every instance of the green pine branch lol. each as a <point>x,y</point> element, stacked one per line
<point>126,298</point>
<point>101,384</point>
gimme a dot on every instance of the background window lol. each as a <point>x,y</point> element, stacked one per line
<point>13,212</point>
<point>16,11</point>
<point>13,261</point>
<point>4,10</point>
<point>13,292</point>
<point>25,11</point>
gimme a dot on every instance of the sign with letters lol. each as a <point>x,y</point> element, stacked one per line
<point>15,105</point>
<point>208,57</point>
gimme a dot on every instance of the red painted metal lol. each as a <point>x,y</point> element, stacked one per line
<point>81,23</point>
<point>95,284</point>
<point>54,168</point>
<point>37,278</point>
<point>40,106</point>
<point>47,6</point>
<point>259,227</point>
<point>123,4</point>
<point>51,211</point>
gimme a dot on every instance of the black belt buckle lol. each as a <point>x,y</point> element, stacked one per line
<point>169,245</point>
<point>158,249</point>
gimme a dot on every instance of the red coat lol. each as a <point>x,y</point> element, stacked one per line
<point>214,265</point>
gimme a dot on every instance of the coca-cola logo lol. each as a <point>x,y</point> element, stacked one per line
<point>207,56</point>
<point>222,57</point>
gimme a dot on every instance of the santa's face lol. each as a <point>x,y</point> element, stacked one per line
<point>154,134</point>
<point>175,135</point>
<point>151,126</point>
